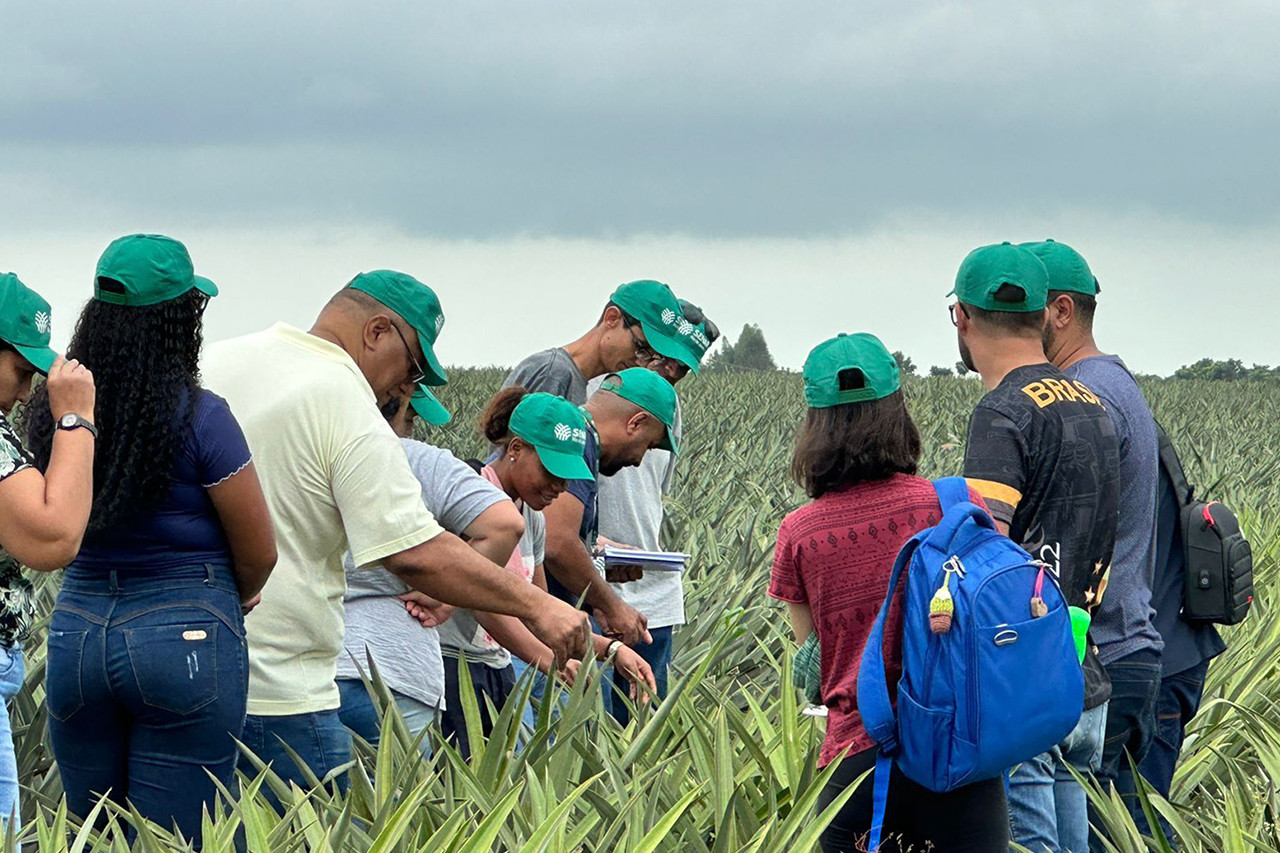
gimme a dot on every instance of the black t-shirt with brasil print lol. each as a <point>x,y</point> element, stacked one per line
<point>1043,454</point>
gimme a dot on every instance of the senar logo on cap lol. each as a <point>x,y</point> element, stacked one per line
<point>1068,270</point>
<point>557,430</point>
<point>25,321</point>
<point>650,392</point>
<point>1003,277</point>
<point>146,269</point>
<point>849,369</point>
<point>416,303</point>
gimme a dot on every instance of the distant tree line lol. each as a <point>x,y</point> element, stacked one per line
<point>751,352</point>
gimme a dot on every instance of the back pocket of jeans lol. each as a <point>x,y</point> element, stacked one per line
<point>175,666</point>
<point>63,694</point>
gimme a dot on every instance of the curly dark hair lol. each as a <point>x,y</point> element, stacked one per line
<point>146,366</point>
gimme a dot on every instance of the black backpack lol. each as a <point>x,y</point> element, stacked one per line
<point>1219,570</point>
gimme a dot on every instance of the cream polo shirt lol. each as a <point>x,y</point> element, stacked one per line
<point>335,478</point>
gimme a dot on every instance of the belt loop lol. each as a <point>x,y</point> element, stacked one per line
<point>114,582</point>
<point>208,574</point>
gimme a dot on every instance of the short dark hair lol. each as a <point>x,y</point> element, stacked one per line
<point>1086,305</point>
<point>1020,323</point>
<point>627,320</point>
<point>855,443</point>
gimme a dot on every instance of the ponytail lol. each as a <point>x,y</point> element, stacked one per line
<point>495,420</point>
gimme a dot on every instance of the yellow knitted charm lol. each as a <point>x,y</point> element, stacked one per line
<point>941,607</point>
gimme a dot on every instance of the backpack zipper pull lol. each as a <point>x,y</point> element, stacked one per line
<point>1038,607</point>
<point>942,607</point>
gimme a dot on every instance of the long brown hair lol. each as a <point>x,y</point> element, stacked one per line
<point>854,443</point>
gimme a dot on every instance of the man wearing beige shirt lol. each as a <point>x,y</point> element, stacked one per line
<point>336,478</point>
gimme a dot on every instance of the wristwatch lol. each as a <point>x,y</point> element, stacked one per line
<point>613,647</point>
<point>73,421</point>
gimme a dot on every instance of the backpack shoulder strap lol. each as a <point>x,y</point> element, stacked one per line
<point>1172,466</point>
<point>873,688</point>
<point>951,491</point>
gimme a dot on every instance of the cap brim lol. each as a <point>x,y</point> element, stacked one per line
<point>665,344</point>
<point>41,358</point>
<point>429,408</point>
<point>435,373</point>
<point>669,442</point>
<point>566,466</point>
<point>205,286</point>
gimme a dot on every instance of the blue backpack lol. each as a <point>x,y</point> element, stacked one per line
<point>990,675</point>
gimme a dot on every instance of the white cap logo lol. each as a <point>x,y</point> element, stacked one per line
<point>563,432</point>
<point>668,316</point>
<point>43,322</point>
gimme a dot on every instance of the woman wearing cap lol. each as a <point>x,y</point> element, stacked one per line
<point>540,440</point>
<point>147,664</point>
<point>856,456</point>
<point>42,518</point>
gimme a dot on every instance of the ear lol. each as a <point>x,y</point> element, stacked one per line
<point>612,317</point>
<point>1061,311</point>
<point>375,328</point>
<point>637,422</point>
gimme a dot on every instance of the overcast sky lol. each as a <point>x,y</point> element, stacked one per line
<point>810,167</point>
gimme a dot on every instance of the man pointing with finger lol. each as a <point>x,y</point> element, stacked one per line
<point>336,478</point>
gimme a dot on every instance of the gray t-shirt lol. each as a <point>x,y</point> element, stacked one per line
<point>1122,624</point>
<point>631,513</point>
<point>407,654</point>
<point>552,371</point>
<point>462,633</point>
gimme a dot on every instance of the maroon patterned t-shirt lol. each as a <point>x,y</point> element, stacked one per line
<point>836,555</point>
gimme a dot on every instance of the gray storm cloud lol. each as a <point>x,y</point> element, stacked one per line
<point>590,119</point>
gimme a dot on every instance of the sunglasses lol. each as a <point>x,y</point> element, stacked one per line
<point>955,321</point>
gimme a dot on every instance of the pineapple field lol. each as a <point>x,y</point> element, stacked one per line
<point>728,762</point>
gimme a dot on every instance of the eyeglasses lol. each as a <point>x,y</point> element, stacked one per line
<point>694,315</point>
<point>418,373</point>
<point>955,321</point>
<point>644,353</point>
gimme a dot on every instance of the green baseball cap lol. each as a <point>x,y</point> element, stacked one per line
<point>693,338</point>
<point>428,407</point>
<point>557,429</point>
<point>416,303</point>
<point>1068,270</point>
<point>150,268</point>
<point>986,270</point>
<point>862,352</point>
<point>25,321</point>
<point>650,392</point>
<point>654,305</point>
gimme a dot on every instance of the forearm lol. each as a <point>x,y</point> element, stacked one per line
<point>250,579</point>
<point>448,570</point>
<point>569,562</point>
<point>68,491</point>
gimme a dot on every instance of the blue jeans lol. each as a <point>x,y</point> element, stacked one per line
<point>1177,702</point>
<point>319,738</point>
<point>146,690</point>
<point>658,655</point>
<point>530,715</point>
<point>1131,723</point>
<point>1048,808</point>
<point>12,672</point>
<point>359,714</point>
